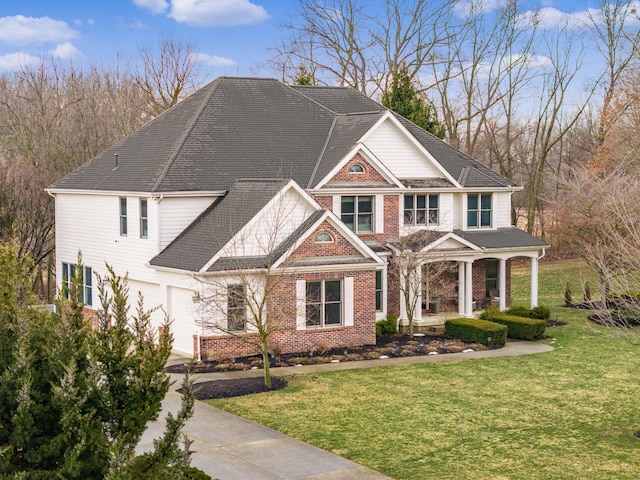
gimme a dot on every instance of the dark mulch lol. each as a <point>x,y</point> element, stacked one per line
<point>234,387</point>
<point>390,346</point>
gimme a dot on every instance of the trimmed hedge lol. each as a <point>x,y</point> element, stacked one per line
<point>520,327</point>
<point>475,330</point>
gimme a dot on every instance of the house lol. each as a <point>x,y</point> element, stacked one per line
<point>311,191</point>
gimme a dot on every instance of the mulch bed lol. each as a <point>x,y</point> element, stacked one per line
<point>390,346</point>
<point>234,387</point>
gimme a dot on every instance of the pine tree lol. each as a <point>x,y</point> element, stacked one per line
<point>75,401</point>
<point>404,99</point>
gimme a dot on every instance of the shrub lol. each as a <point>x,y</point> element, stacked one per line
<point>388,326</point>
<point>489,312</point>
<point>476,330</point>
<point>522,328</point>
<point>568,297</point>
<point>518,311</point>
<point>541,313</point>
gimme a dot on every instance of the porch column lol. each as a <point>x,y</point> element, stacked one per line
<point>461,290</point>
<point>534,282</point>
<point>468,290</point>
<point>502,285</point>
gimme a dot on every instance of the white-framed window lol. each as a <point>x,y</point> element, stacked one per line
<point>356,168</point>
<point>123,216</point>
<point>421,209</point>
<point>144,218</point>
<point>479,210</point>
<point>236,308</point>
<point>324,303</point>
<point>379,291</point>
<point>85,282</point>
<point>324,237</point>
<point>356,212</point>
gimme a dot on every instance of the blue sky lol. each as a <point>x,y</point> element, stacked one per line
<point>231,36</point>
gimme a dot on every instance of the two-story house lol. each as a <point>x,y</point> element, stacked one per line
<point>308,191</point>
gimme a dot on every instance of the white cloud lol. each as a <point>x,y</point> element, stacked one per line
<point>552,18</point>
<point>14,61</point>
<point>154,6</point>
<point>214,60</point>
<point>22,30</point>
<point>464,7</point>
<point>66,51</point>
<point>217,13</point>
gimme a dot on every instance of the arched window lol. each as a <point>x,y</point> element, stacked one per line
<point>356,168</point>
<point>324,237</point>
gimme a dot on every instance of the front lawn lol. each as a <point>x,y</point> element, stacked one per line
<point>570,413</point>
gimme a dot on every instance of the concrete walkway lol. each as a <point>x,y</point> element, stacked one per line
<point>228,447</point>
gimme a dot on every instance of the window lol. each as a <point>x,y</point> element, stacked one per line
<point>478,210</point>
<point>356,168</point>
<point>357,213</point>
<point>421,209</point>
<point>123,216</point>
<point>236,308</point>
<point>144,219</point>
<point>324,303</point>
<point>491,269</point>
<point>324,237</point>
<point>378,290</point>
<point>85,282</point>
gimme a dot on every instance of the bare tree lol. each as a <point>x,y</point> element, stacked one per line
<point>406,271</point>
<point>360,44</point>
<point>249,297</point>
<point>168,73</point>
<point>617,39</point>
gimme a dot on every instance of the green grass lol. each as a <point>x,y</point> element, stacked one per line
<point>567,414</point>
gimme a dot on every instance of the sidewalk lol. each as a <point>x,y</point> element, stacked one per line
<point>228,447</point>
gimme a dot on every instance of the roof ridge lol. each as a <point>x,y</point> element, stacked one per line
<point>185,135</point>
<point>324,149</point>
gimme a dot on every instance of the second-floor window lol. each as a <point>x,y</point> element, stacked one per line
<point>144,219</point>
<point>479,210</point>
<point>123,216</point>
<point>357,213</point>
<point>421,209</point>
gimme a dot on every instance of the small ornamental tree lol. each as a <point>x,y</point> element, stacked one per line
<point>74,401</point>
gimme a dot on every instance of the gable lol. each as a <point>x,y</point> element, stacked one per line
<point>370,175</point>
<point>340,246</point>
<point>399,154</point>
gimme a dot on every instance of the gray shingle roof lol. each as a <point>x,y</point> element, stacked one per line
<point>509,237</point>
<point>250,127</point>
<point>213,229</point>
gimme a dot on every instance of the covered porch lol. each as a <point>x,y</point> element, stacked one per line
<point>477,273</point>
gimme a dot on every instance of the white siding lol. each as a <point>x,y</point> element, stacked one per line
<point>399,154</point>
<point>275,223</point>
<point>177,213</point>
<point>90,223</point>
<point>502,209</point>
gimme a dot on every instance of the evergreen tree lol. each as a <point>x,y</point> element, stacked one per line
<point>304,77</point>
<point>404,99</point>
<point>74,400</point>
